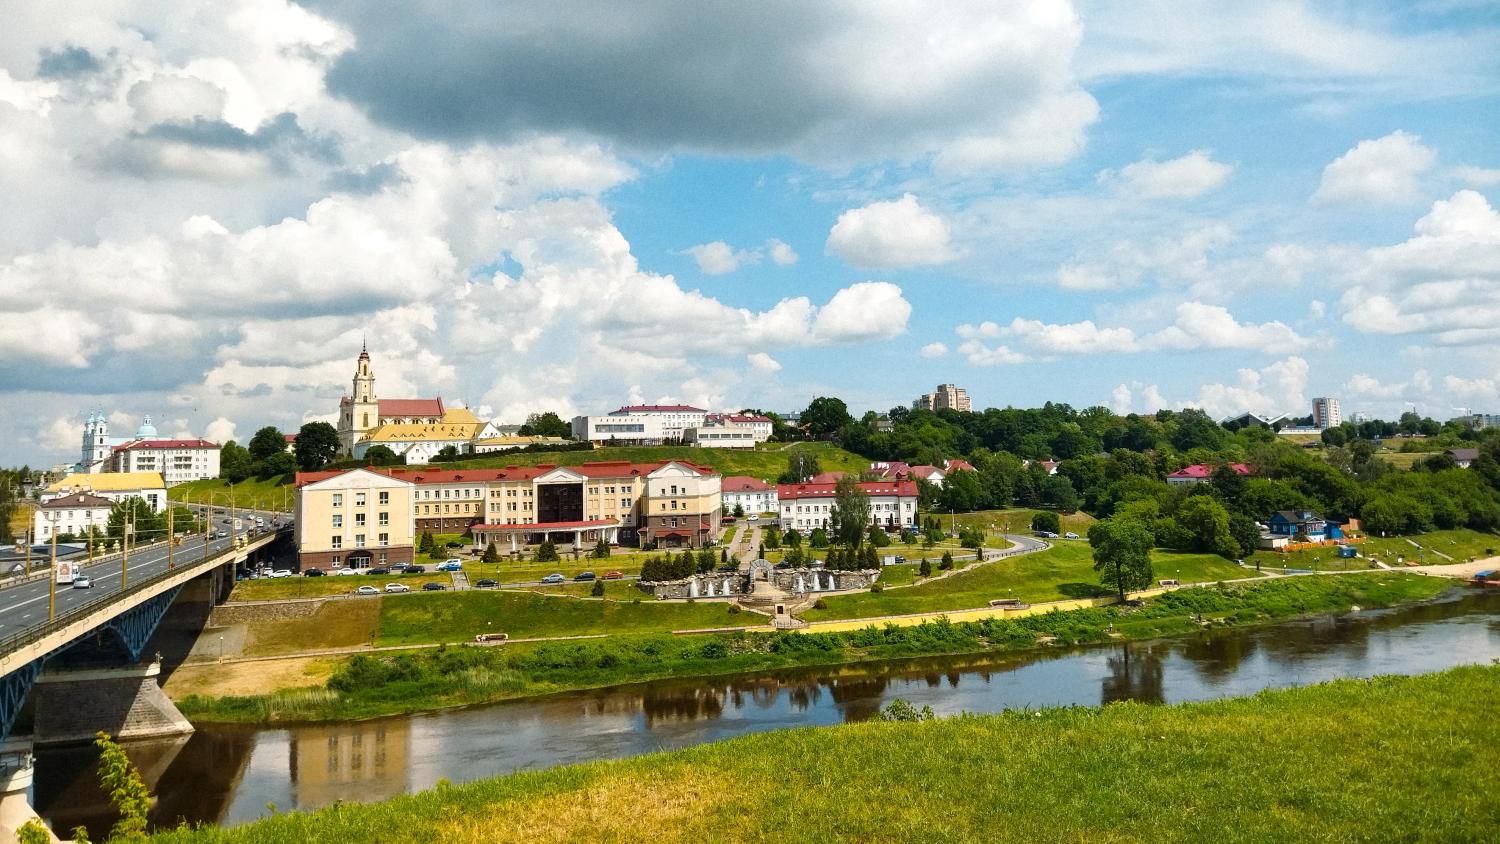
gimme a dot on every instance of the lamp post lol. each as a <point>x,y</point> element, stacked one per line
<point>52,576</point>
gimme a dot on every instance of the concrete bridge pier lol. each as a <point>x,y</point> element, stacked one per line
<point>15,785</point>
<point>72,705</point>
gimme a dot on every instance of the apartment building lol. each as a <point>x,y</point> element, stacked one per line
<point>639,424</point>
<point>806,507</point>
<point>1326,413</point>
<point>115,486</point>
<point>729,430</point>
<point>356,518</point>
<point>178,461</point>
<point>949,396</point>
<point>751,495</point>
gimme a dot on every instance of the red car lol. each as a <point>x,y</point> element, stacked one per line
<point>614,575</point>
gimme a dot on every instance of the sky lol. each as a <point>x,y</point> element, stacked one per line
<point>571,206</point>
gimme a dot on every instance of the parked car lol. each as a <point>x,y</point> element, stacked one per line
<point>280,573</point>
<point>729,567</point>
<point>433,586</point>
<point>584,575</point>
<point>314,573</point>
<point>783,565</point>
<point>753,517</point>
<point>451,565</point>
<point>485,584</point>
<point>555,577</point>
<point>397,587</point>
<point>614,575</point>
<point>367,590</point>
<point>414,569</point>
<point>346,571</point>
<point>381,570</point>
<point>83,581</point>
<point>1070,535</point>
<point>492,637</point>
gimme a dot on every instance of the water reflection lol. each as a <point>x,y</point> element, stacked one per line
<point>228,775</point>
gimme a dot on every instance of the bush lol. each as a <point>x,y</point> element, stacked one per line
<point>820,604</point>
<point>1046,521</point>
<point>598,590</point>
<point>877,587</point>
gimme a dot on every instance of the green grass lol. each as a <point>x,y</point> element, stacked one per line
<point>767,462</point>
<point>1013,520</point>
<point>458,616</point>
<point>1460,544</point>
<point>1387,759</point>
<point>281,588</point>
<point>1066,570</point>
<point>252,493</point>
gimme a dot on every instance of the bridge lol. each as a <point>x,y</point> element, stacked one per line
<point>90,643</point>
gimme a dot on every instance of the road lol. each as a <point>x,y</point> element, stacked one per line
<point>24,605</point>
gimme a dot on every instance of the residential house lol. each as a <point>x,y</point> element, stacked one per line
<point>948,396</point>
<point>73,514</point>
<point>806,507</point>
<point>178,461</point>
<point>115,486</point>
<point>1294,522</point>
<point>1464,457</point>
<point>750,494</point>
<point>1199,473</point>
<point>356,518</point>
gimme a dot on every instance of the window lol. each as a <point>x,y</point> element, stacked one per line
<point>385,518</point>
<point>338,520</point>
<point>445,507</point>
<point>359,540</point>
<point>359,499</point>
<point>338,499</point>
<point>385,539</point>
<point>334,561</point>
<point>336,542</point>
<point>385,497</point>
<point>382,556</point>
<point>359,519</point>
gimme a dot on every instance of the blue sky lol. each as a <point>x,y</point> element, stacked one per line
<point>1139,204</point>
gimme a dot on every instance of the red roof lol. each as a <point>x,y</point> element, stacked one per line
<point>411,407</point>
<point>785,492</point>
<point>1202,471</point>
<point>598,469</point>
<point>959,466</point>
<point>550,525</point>
<point>77,499</point>
<point>826,477</point>
<point>924,472</point>
<point>740,418</point>
<point>291,438</point>
<point>660,408</point>
<point>743,483</point>
<point>135,444</point>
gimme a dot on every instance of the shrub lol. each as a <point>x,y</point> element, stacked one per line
<point>1046,521</point>
<point>877,587</point>
<point>598,590</point>
<point>900,710</point>
<point>714,650</point>
<point>820,604</point>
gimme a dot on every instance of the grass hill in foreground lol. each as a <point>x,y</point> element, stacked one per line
<point>1394,758</point>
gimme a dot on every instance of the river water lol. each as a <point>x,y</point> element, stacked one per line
<point>229,775</point>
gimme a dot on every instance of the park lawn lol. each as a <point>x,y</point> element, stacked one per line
<point>728,536</point>
<point>1013,520</point>
<point>458,616</point>
<point>251,493</point>
<point>335,624</point>
<point>766,462</point>
<point>281,588</point>
<point>614,590</point>
<point>1460,543</point>
<point>1301,764</point>
<point>511,572</point>
<point>1066,570</point>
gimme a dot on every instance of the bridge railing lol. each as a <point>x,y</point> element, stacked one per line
<point>41,631</point>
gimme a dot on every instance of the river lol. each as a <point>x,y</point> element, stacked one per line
<point>229,775</point>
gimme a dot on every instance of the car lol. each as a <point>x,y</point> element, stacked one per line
<point>584,575</point>
<point>753,517</point>
<point>729,567</point>
<point>433,586</point>
<point>397,587</point>
<point>219,534</point>
<point>485,584</point>
<point>451,565</point>
<point>900,559</point>
<point>227,521</point>
<point>280,573</point>
<point>314,573</point>
<point>1070,535</point>
<point>367,590</point>
<point>83,581</point>
<point>782,565</point>
<point>492,637</point>
<point>555,577</point>
<point>414,570</point>
<point>614,575</point>
<point>379,571</point>
<point>345,572</point>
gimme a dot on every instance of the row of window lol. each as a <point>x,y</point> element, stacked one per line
<point>337,540</point>
<point>432,494</point>
<point>359,498</point>
<point>824,508</point>
<point>359,519</point>
<point>337,560</point>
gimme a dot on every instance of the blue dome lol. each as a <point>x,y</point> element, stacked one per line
<point>146,429</point>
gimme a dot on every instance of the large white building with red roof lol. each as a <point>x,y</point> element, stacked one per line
<point>178,461</point>
<point>363,411</point>
<point>807,507</point>
<point>751,495</point>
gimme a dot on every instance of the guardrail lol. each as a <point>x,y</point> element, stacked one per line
<point>41,631</point>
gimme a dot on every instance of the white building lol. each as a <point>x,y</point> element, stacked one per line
<point>115,486</point>
<point>178,461</point>
<point>71,514</point>
<point>749,494</point>
<point>720,436</point>
<point>1326,413</point>
<point>618,429</point>
<point>806,507</point>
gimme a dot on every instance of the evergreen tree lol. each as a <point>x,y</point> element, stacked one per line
<point>547,552</point>
<point>925,569</point>
<point>491,556</point>
<point>425,544</point>
<point>598,590</point>
<point>601,550</point>
<point>947,561</point>
<point>705,560</point>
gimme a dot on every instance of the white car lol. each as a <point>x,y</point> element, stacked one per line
<point>83,581</point>
<point>1070,535</point>
<point>343,572</point>
<point>280,573</point>
<point>367,590</point>
<point>397,587</point>
<point>753,517</point>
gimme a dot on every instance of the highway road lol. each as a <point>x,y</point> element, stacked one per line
<point>24,605</point>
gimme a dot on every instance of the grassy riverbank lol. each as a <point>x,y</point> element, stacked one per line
<point>1393,758</point>
<point>369,685</point>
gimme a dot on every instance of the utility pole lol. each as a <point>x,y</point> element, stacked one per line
<point>52,579</point>
<point>127,527</point>
<point>171,541</point>
<point>29,539</point>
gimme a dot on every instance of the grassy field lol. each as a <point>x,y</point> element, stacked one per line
<point>1393,758</point>
<point>1459,544</point>
<point>1013,520</point>
<point>1063,571</point>
<point>335,624</point>
<point>766,462</point>
<point>252,493</point>
<point>458,616</point>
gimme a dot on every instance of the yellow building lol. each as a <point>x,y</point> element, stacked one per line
<point>115,486</point>
<point>356,518</point>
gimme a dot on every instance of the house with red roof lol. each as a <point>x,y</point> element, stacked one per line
<point>178,460</point>
<point>363,411</point>
<point>751,495</point>
<point>1199,473</point>
<point>806,507</point>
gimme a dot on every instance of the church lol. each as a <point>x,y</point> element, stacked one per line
<point>363,413</point>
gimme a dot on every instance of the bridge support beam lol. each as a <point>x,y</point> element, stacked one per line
<point>128,703</point>
<point>15,787</point>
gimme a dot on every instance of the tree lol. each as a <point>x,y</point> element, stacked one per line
<point>818,538</point>
<point>235,463</point>
<point>547,424</point>
<point>127,792</point>
<point>601,550</point>
<point>380,455</point>
<point>146,524</point>
<point>705,560</point>
<point>1058,491</point>
<point>426,543</point>
<point>849,513</point>
<point>1122,554</point>
<point>1230,484</point>
<point>792,538</point>
<point>1046,521</point>
<point>1334,436</point>
<point>739,511</point>
<point>947,562</point>
<point>1206,524</point>
<point>547,551</point>
<point>447,452</point>
<point>598,590</point>
<point>800,467</point>
<point>491,556</point>
<point>962,491</point>
<point>925,568</point>
<point>267,442</point>
<point>317,443</point>
<point>825,417</point>
<point>277,465</point>
<point>1246,534</point>
<point>793,556</point>
<point>773,537</point>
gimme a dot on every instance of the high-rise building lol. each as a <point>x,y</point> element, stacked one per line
<point>950,396</point>
<point>1326,413</point>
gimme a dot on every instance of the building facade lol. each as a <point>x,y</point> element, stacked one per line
<point>73,514</point>
<point>950,396</point>
<point>178,461</point>
<point>639,424</point>
<point>357,518</point>
<point>751,495</point>
<point>115,486</point>
<point>807,507</point>
<point>1326,413</point>
<point>363,411</point>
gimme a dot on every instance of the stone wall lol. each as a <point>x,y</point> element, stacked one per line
<point>225,615</point>
<point>735,584</point>
<point>127,703</point>
<point>807,580</point>
<point>711,585</point>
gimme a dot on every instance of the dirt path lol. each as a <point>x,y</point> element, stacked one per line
<point>256,677</point>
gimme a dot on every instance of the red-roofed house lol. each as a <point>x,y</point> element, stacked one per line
<point>1201,473</point>
<point>893,504</point>
<point>827,478</point>
<point>178,461</point>
<point>749,494</point>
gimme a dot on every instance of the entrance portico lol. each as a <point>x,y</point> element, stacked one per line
<point>577,532</point>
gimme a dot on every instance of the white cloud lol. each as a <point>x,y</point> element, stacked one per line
<point>1471,388</point>
<point>980,353</point>
<point>781,253</point>
<point>48,336</point>
<point>1196,326</point>
<point>1078,338</point>
<point>1477,177</point>
<point>1383,171</point>
<point>898,233</point>
<point>718,257</point>
<point>220,430</point>
<point>763,362</point>
<point>934,350</point>
<point>61,434</point>
<point>1277,388</point>
<point>1187,177</point>
<point>868,310</point>
<point>1168,260</point>
<point>1120,399</point>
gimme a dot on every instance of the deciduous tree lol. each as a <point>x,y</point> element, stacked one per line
<point>1122,554</point>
